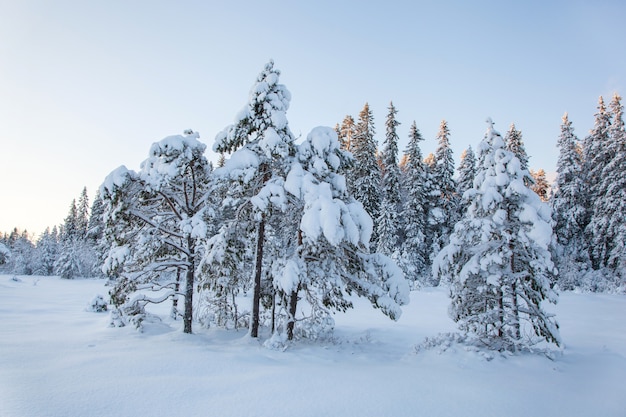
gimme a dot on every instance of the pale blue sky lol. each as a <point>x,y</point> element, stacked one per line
<point>86,86</point>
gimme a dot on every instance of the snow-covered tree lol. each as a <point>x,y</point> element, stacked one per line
<point>46,252</point>
<point>467,172</point>
<point>607,182</point>
<point>346,133</point>
<point>389,223</point>
<point>5,254</point>
<point>94,236</point>
<point>262,146</point>
<point>568,209</point>
<point>364,178</point>
<point>498,259</point>
<point>155,225</point>
<point>444,205</point>
<point>414,211</point>
<point>74,258</point>
<point>82,214</point>
<point>330,258</point>
<point>540,184</point>
<point>22,253</point>
<point>514,142</point>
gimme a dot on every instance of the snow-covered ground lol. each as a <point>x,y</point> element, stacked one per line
<point>57,359</point>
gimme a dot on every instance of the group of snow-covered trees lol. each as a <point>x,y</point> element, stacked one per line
<point>70,250</point>
<point>297,227</point>
<point>589,203</point>
<point>276,220</point>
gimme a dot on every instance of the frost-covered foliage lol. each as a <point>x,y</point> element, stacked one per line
<point>155,221</point>
<point>498,259</point>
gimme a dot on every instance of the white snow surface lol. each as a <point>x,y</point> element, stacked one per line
<point>58,359</point>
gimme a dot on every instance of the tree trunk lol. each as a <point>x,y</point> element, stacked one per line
<point>256,299</point>
<point>187,317</point>
<point>174,313</point>
<point>515,307</point>
<point>500,313</point>
<point>293,303</point>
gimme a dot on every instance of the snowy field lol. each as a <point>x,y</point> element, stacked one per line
<point>57,359</point>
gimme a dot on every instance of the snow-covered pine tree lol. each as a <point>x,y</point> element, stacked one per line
<point>498,259</point>
<point>467,173</point>
<point>364,177</point>
<point>22,253</point>
<point>596,154</point>
<point>262,147</point>
<point>94,236</point>
<point>155,225</point>
<point>414,211</point>
<point>568,210</point>
<point>514,142</point>
<point>331,257</point>
<point>74,258</point>
<point>82,214</point>
<point>607,224</point>
<point>444,206</point>
<point>346,133</point>
<point>389,221</point>
<point>540,184</point>
<point>46,250</point>
<point>616,192</point>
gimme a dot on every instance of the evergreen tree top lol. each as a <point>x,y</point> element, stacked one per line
<point>263,121</point>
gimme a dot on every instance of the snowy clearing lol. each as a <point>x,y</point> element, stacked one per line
<point>57,359</point>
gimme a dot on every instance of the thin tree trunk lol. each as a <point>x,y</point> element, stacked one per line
<point>174,313</point>
<point>516,324</point>
<point>187,317</point>
<point>256,299</point>
<point>500,312</point>
<point>293,301</point>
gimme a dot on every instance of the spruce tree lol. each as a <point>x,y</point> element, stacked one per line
<point>597,156</point>
<point>568,209</point>
<point>467,172</point>
<point>82,214</point>
<point>606,227</point>
<point>364,178</point>
<point>415,208</point>
<point>346,133</point>
<point>445,203</point>
<point>389,217</point>
<point>540,184</point>
<point>515,143</point>
<point>498,259</point>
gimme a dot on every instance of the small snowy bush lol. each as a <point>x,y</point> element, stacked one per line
<point>97,304</point>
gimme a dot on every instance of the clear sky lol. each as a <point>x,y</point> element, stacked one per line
<point>86,86</point>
